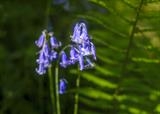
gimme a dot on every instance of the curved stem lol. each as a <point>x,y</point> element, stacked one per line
<point>77,95</point>
<point>65,47</point>
<point>57,89</point>
<point>77,84</point>
<point>51,85</point>
<point>58,109</point>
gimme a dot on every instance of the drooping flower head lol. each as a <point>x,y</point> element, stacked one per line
<point>64,60</point>
<point>76,34</point>
<point>62,86</point>
<point>41,39</point>
<point>47,53</point>
<point>53,41</point>
<point>80,33</point>
<point>82,47</point>
<point>41,69</point>
<point>73,55</point>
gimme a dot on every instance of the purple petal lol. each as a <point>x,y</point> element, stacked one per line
<point>84,33</point>
<point>63,62</point>
<point>80,34</point>
<point>85,49</point>
<point>40,41</point>
<point>76,34</point>
<point>53,55</point>
<point>54,43</point>
<point>62,86</point>
<point>44,56</point>
<point>41,69</point>
<point>73,54</point>
<point>46,49</point>
<point>41,58</point>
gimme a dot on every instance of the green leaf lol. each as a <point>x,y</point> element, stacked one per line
<point>99,81</point>
<point>96,94</point>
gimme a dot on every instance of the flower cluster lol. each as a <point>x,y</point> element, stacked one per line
<point>47,44</point>
<point>82,49</point>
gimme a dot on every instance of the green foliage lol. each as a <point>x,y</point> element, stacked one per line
<point>127,43</point>
<point>125,79</point>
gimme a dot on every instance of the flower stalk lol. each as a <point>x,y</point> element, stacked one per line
<point>51,88</point>
<point>57,89</point>
<point>77,94</point>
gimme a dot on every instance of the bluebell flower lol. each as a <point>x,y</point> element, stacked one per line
<point>76,34</point>
<point>41,69</point>
<point>62,86</point>
<point>53,55</point>
<point>73,55</point>
<point>54,43</point>
<point>84,34</point>
<point>88,49</point>
<point>64,60</point>
<point>43,59</point>
<point>45,49</point>
<point>41,39</point>
<point>47,53</point>
<point>80,34</point>
<point>85,49</point>
<point>83,45</point>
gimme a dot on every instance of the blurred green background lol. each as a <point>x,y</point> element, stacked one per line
<point>126,78</point>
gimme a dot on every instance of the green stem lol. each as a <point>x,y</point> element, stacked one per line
<point>57,89</point>
<point>126,60</point>
<point>77,95</point>
<point>131,37</point>
<point>58,109</point>
<point>51,85</point>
